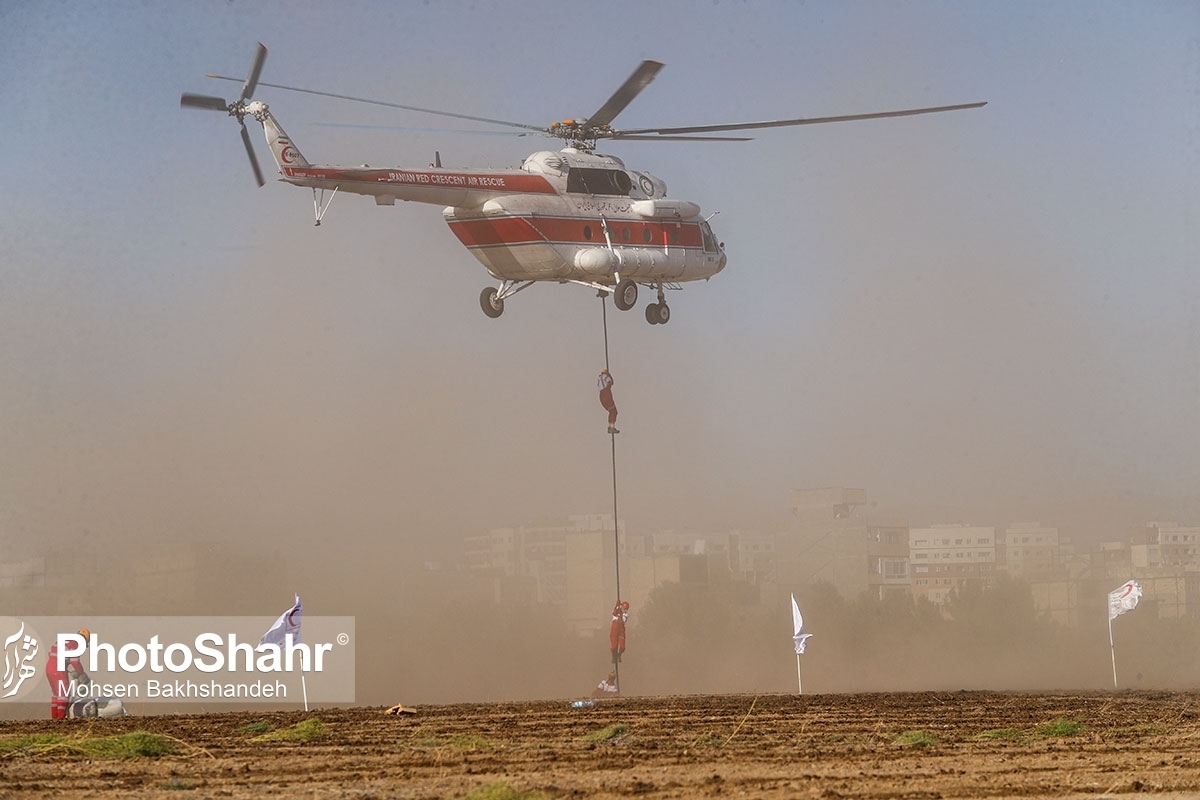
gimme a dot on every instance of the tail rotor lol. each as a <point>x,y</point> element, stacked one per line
<point>238,109</point>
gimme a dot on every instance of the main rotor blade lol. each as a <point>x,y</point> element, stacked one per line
<point>622,97</point>
<point>188,100</point>
<point>410,129</point>
<point>260,56</point>
<point>654,138</point>
<point>258,176</point>
<point>392,105</point>
<point>782,123</point>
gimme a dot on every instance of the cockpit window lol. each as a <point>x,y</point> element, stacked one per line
<point>589,180</point>
<point>710,241</point>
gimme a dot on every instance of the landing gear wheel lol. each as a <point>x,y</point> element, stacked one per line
<point>625,297</point>
<point>658,314</point>
<point>492,305</point>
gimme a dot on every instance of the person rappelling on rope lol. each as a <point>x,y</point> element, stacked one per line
<point>605,383</point>
<point>616,632</point>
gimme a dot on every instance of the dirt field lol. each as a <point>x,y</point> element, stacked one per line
<point>928,745</point>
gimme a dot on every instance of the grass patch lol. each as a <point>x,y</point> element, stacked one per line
<point>606,734</point>
<point>1059,727</point>
<point>262,726</point>
<point>1007,734</point>
<point>502,791</point>
<point>137,743</point>
<point>30,744</point>
<point>839,738</point>
<point>126,745</point>
<point>300,732</point>
<point>916,739</point>
<point>1134,731</point>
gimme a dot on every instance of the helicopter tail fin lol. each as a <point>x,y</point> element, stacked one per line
<point>286,154</point>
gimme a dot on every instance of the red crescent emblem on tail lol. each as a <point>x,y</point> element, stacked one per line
<point>288,154</point>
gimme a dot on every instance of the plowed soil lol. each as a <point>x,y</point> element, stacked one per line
<point>927,745</point>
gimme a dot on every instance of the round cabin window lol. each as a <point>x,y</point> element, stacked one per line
<point>587,232</point>
<point>646,234</point>
<point>625,234</point>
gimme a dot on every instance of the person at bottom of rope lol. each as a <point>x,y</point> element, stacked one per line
<point>606,687</point>
<point>605,383</point>
<point>71,688</point>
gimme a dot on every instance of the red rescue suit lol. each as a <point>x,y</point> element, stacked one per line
<point>60,683</point>
<point>616,632</point>
<point>605,383</point>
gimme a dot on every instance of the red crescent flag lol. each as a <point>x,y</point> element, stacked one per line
<point>1123,599</point>
<point>288,622</point>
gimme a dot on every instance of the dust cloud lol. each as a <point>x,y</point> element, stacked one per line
<point>326,411</point>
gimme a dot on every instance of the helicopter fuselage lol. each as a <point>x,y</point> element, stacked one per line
<point>563,216</point>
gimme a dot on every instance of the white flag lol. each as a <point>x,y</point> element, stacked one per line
<point>1123,599</point>
<point>288,622</point>
<point>801,639</point>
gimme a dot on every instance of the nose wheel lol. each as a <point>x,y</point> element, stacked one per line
<point>491,302</point>
<point>491,299</point>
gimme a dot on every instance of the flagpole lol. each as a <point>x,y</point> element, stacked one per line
<point>799,685</point>
<point>1113,649</point>
<point>304,688</point>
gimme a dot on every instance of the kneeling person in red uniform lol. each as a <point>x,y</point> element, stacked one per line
<point>71,689</point>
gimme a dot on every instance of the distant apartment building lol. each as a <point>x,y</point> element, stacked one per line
<point>947,557</point>
<point>752,556</point>
<point>1165,544</point>
<point>573,566</point>
<point>708,557</point>
<point>1068,586</point>
<point>832,540</point>
<point>530,563</point>
<point>1031,550</point>
<point>889,561</point>
<point>1165,558</point>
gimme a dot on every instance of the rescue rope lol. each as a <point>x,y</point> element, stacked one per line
<point>616,527</point>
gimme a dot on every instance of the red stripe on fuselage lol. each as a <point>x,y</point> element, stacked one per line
<point>488,231</point>
<point>494,230</point>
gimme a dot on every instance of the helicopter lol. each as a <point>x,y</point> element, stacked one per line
<point>565,216</point>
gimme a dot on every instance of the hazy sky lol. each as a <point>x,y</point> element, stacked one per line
<point>983,316</point>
